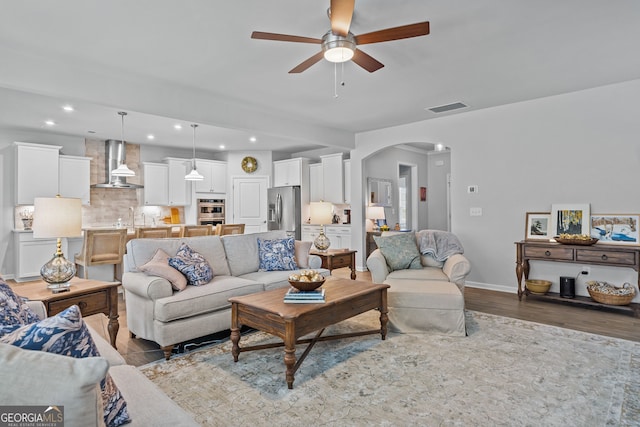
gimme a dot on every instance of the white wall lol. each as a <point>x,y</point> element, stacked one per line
<point>573,148</point>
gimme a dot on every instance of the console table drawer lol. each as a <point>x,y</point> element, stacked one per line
<point>97,302</point>
<point>609,257</point>
<point>559,253</point>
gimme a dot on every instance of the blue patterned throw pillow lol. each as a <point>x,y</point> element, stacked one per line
<point>277,254</point>
<point>193,265</point>
<point>66,334</point>
<point>13,309</point>
<point>399,250</point>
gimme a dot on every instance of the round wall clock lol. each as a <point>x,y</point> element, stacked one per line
<point>249,164</point>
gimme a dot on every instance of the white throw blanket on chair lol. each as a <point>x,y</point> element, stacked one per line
<point>439,244</point>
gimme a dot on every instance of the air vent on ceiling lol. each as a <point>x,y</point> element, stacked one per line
<point>448,107</point>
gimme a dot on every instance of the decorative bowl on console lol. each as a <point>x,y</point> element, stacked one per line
<point>538,287</point>
<point>576,239</point>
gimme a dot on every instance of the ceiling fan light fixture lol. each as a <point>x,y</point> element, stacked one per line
<point>338,48</point>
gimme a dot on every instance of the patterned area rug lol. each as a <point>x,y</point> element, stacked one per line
<point>506,372</point>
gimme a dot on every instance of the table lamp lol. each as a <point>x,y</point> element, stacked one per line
<point>374,213</point>
<point>321,213</point>
<point>57,217</point>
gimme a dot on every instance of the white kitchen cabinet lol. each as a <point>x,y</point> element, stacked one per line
<point>31,254</point>
<point>74,177</point>
<point>36,171</point>
<point>332,178</point>
<point>215,176</point>
<point>310,232</point>
<point>316,186</point>
<point>156,184</point>
<point>179,189</point>
<point>339,235</point>
<point>347,181</point>
<point>291,172</point>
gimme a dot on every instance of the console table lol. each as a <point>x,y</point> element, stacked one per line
<point>598,254</point>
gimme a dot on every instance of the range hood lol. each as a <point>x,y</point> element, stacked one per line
<point>115,154</point>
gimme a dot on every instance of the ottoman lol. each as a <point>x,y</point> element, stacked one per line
<point>425,306</point>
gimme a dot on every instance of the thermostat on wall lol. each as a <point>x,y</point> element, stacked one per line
<point>472,189</point>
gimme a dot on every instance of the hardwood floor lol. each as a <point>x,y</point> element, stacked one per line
<point>139,352</point>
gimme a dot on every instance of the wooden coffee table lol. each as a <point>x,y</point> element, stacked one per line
<point>92,296</point>
<point>267,312</point>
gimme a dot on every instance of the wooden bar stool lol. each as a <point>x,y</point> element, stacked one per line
<point>101,247</point>
<point>223,229</point>
<point>195,230</point>
<point>153,232</point>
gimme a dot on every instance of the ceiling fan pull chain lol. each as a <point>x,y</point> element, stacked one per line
<point>335,80</point>
<point>342,74</point>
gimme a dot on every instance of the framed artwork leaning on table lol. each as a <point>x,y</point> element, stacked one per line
<point>615,229</point>
<point>538,226</point>
<point>570,219</point>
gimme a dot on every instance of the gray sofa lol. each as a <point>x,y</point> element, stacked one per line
<point>426,299</point>
<point>156,312</point>
<point>42,378</point>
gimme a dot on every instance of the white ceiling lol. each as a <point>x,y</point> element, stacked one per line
<point>168,62</point>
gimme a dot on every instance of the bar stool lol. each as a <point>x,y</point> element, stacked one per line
<point>153,232</point>
<point>101,247</point>
<point>195,230</point>
<point>224,229</point>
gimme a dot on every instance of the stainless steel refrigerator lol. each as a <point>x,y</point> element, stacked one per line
<point>284,210</point>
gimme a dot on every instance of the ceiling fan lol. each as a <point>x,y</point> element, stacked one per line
<point>339,44</point>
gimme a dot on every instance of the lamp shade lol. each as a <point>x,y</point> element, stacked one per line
<point>321,213</point>
<point>55,217</point>
<point>375,212</point>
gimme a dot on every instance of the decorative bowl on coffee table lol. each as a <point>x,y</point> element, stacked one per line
<point>306,286</point>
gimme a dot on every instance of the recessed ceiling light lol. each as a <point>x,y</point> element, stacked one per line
<point>68,108</point>
<point>221,147</point>
<point>253,139</point>
<point>177,126</point>
<point>151,137</point>
<point>49,122</point>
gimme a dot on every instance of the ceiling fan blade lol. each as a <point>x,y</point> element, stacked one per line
<point>367,62</point>
<point>308,63</point>
<point>396,33</point>
<point>284,37</point>
<point>341,14</point>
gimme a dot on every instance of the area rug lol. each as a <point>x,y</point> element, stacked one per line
<point>506,372</point>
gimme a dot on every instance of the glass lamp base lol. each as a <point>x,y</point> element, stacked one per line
<point>322,242</point>
<point>57,273</point>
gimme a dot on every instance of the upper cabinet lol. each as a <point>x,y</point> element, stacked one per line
<point>316,186</point>
<point>156,184</point>
<point>74,177</point>
<point>290,172</point>
<point>333,178</point>
<point>215,176</point>
<point>347,181</point>
<point>37,171</point>
<point>178,188</point>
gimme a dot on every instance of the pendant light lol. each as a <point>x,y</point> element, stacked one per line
<point>122,169</point>
<point>194,175</point>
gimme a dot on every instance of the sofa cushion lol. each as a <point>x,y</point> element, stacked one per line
<point>140,251</point>
<point>159,266</point>
<point>13,309</point>
<point>302,250</point>
<point>426,273</point>
<point>242,250</point>
<point>41,378</point>
<point>277,254</point>
<point>192,264</point>
<point>196,300</point>
<point>399,250</point>
<point>276,279</point>
<point>66,334</point>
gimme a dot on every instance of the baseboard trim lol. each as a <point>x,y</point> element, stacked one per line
<point>491,287</point>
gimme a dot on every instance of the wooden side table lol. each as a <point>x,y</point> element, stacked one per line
<point>338,258</point>
<point>92,296</point>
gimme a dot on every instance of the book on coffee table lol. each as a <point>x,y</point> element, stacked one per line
<point>294,295</point>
